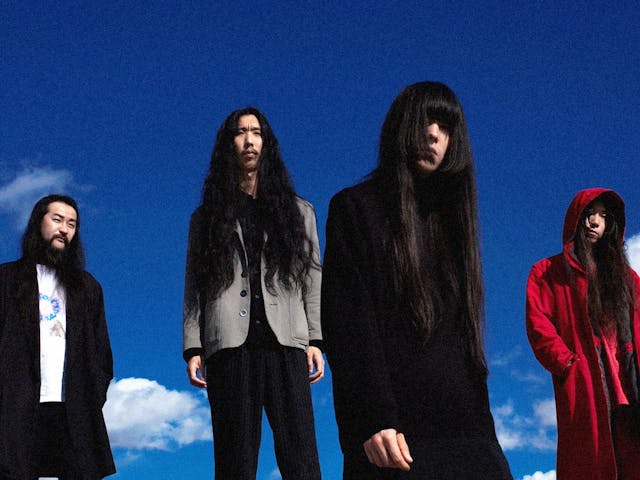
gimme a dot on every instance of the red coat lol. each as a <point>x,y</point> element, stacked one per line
<point>560,332</point>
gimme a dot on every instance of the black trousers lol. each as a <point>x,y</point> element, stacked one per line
<point>240,382</point>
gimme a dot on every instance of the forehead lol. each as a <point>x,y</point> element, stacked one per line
<point>248,121</point>
<point>62,209</point>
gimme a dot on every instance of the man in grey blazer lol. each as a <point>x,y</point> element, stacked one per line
<point>251,331</point>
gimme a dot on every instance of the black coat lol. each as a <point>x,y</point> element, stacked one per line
<point>87,373</point>
<point>384,376</point>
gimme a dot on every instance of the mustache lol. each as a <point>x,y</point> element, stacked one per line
<point>61,237</point>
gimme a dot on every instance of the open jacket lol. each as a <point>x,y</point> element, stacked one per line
<point>223,322</point>
<point>88,369</point>
<point>562,339</point>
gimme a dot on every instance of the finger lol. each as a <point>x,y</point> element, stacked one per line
<point>310,359</point>
<point>404,451</point>
<point>373,453</point>
<point>396,459</point>
<point>368,453</point>
<point>404,448</point>
<point>316,376</point>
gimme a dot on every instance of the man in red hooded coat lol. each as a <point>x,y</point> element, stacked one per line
<point>583,323</point>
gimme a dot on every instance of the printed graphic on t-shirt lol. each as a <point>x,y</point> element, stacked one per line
<point>49,310</point>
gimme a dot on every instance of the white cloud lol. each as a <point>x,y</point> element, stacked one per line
<point>503,359</point>
<point>19,195</point>
<point>550,475</point>
<point>529,377</point>
<point>141,414</point>
<point>633,251</point>
<point>545,412</point>
<point>517,432</point>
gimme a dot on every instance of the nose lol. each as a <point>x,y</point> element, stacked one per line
<point>434,133</point>
<point>594,220</point>
<point>63,229</point>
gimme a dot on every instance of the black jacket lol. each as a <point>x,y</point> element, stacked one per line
<point>88,371</point>
<point>384,376</point>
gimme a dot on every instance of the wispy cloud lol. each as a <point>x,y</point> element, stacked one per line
<point>535,431</point>
<point>550,475</point>
<point>141,414</point>
<point>633,251</point>
<point>18,196</point>
<point>503,359</point>
<point>529,377</point>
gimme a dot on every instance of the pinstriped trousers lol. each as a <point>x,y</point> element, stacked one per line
<point>240,383</point>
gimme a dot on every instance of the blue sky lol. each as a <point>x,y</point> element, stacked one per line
<point>118,105</point>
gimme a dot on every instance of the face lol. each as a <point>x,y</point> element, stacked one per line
<point>595,221</point>
<point>247,143</point>
<point>58,225</point>
<point>430,160</point>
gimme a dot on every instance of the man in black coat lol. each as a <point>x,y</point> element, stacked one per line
<point>402,304</point>
<point>55,356</point>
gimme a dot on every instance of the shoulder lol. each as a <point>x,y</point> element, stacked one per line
<point>304,206</point>
<point>9,267</point>
<point>9,273</point>
<point>544,267</point>
<point>364,194</point>
<point>90,283</point>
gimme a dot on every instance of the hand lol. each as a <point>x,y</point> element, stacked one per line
<point>388,449</point>
<point>315,358</point>
<point>195,371</point>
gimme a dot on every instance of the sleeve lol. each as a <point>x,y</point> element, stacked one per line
<point>191,339</point>
<point>548,347</point>
<point>363,392</point>
<point>313,282</point>
<point>103,354</point>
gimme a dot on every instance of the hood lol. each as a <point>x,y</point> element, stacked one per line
<point>580,202</point>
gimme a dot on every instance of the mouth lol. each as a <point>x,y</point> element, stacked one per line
<point>60,239</point>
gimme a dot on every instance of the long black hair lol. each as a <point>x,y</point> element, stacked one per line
<point>611,292</point>
<point>69,264</point>
<point>288,250</point>
<point>447,227</point>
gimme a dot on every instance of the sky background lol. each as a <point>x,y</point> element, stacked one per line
<point>118,105</point>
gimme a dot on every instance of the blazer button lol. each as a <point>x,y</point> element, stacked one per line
<point>243,293</point>
<point>243,313</point>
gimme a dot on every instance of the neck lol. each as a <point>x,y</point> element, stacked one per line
<point>249,183</point>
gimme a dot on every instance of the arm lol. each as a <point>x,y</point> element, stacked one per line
<point>103,356</point>
<point>549,348</point>
<point>191,342</point>
<point>315,360</point>
<point>363,390</point>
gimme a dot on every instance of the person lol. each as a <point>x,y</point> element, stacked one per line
<point>583,323</point>
<point>252,332</point>
<point>55,355</point>
<point>402,304</point>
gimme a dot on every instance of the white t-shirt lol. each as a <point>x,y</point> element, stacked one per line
<point>53,327</point>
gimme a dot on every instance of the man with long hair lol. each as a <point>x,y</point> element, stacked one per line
<point>55,355</point>
<point>402,304</point>
<point>583,322</point>
<point>251,326</point>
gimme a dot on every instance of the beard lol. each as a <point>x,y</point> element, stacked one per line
<point>51,256</point>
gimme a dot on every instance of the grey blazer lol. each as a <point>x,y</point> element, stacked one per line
<point>224,323</point>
